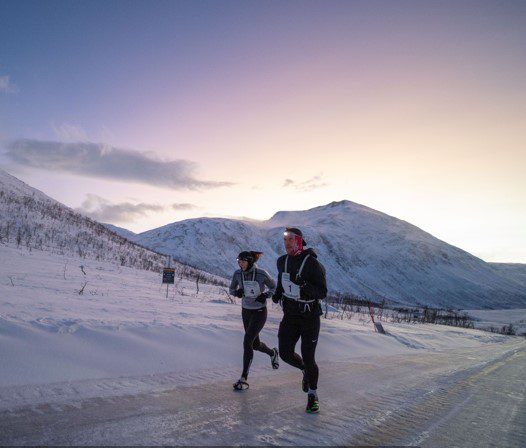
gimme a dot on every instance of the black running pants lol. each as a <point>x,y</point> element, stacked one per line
<point>291,329</point>
<point>253,321</point>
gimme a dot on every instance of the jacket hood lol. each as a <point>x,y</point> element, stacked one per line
<point>309,251</point>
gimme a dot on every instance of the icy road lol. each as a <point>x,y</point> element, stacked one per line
<point>457,397</point>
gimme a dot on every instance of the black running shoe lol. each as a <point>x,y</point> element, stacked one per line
<point>304,382</point>
<point>274,358</point>
<point>313,406</point>
<point>241,384</point>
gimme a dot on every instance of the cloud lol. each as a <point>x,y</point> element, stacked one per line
<point>103,210</point>
<point>184,206</point>
<point>6,86</point>
<point>70,133</point>
<point>103,161</point>
<point>311,184</point>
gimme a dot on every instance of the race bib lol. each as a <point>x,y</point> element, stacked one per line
<point>290,289</point>
<point>252,289</point>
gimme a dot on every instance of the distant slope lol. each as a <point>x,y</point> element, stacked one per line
<point>212,244</point>
<point>30,219</point>
<point>125,233</point>
<point>365,252</point>
<point>515,272</point>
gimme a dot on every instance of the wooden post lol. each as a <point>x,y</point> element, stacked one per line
<point>168,265</point>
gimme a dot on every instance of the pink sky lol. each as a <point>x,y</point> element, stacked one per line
<point>414,108</point>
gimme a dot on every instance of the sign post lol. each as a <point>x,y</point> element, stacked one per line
<point>377,325</point>
<point>168,274</point>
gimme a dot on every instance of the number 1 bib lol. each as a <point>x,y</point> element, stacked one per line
<point>290,289</point>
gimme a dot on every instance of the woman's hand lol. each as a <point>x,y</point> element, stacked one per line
<point>239,292</point>
<point>262,298</point>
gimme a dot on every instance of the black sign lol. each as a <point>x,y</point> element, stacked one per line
<point>168,275</point>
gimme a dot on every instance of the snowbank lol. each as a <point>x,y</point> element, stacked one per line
<point>123,326</point>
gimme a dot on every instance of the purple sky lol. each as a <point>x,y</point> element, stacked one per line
<point>152,112</point>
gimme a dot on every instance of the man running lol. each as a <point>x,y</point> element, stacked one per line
<point>301,287</point>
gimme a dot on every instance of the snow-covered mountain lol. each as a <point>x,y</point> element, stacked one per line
<point>30,219</point>
<point>516,272</point>
<point>365,252</point>
<point>125,233</point>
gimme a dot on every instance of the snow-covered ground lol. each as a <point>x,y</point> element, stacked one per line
<point>485,319</point>
<point>123,337</point>
<point>123,324</point>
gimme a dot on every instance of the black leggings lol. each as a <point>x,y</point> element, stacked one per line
<point>253,321</point>
<point>291,329</point>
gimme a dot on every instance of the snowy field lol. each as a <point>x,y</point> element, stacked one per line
<point>485,319</point>
<point>123,337</point>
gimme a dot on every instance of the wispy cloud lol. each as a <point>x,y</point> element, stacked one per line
<point>6,86</point>
<point>103,161</point>
<point>103,210</point>
<point>70,133</point>
<point>184,206</point>
<point>311,184</point>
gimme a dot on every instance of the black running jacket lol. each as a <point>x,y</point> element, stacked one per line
<point>315,282</point>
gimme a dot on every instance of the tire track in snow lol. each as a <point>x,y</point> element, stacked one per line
<point>441,418</point>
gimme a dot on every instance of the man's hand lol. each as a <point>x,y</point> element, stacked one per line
<point>300,282</point>
<point>276,298</point>
<point>305,287</point>
<point>239,292</point>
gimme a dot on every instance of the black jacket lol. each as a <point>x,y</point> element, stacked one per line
<point>315,286</point>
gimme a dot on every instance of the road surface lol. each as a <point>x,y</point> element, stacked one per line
<point>458,397</point>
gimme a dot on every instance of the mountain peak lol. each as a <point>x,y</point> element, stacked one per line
<point>343,203</point>
<point>331,208</point>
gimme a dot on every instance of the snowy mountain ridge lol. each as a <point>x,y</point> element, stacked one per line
<point>516,272</point>
<point>366,252</point>
<point>30,219</point>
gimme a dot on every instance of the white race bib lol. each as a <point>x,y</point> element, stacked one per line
<point>290,289</point>
<point>251,289</point>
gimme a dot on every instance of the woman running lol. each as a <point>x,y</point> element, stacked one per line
<point>249,283</point>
